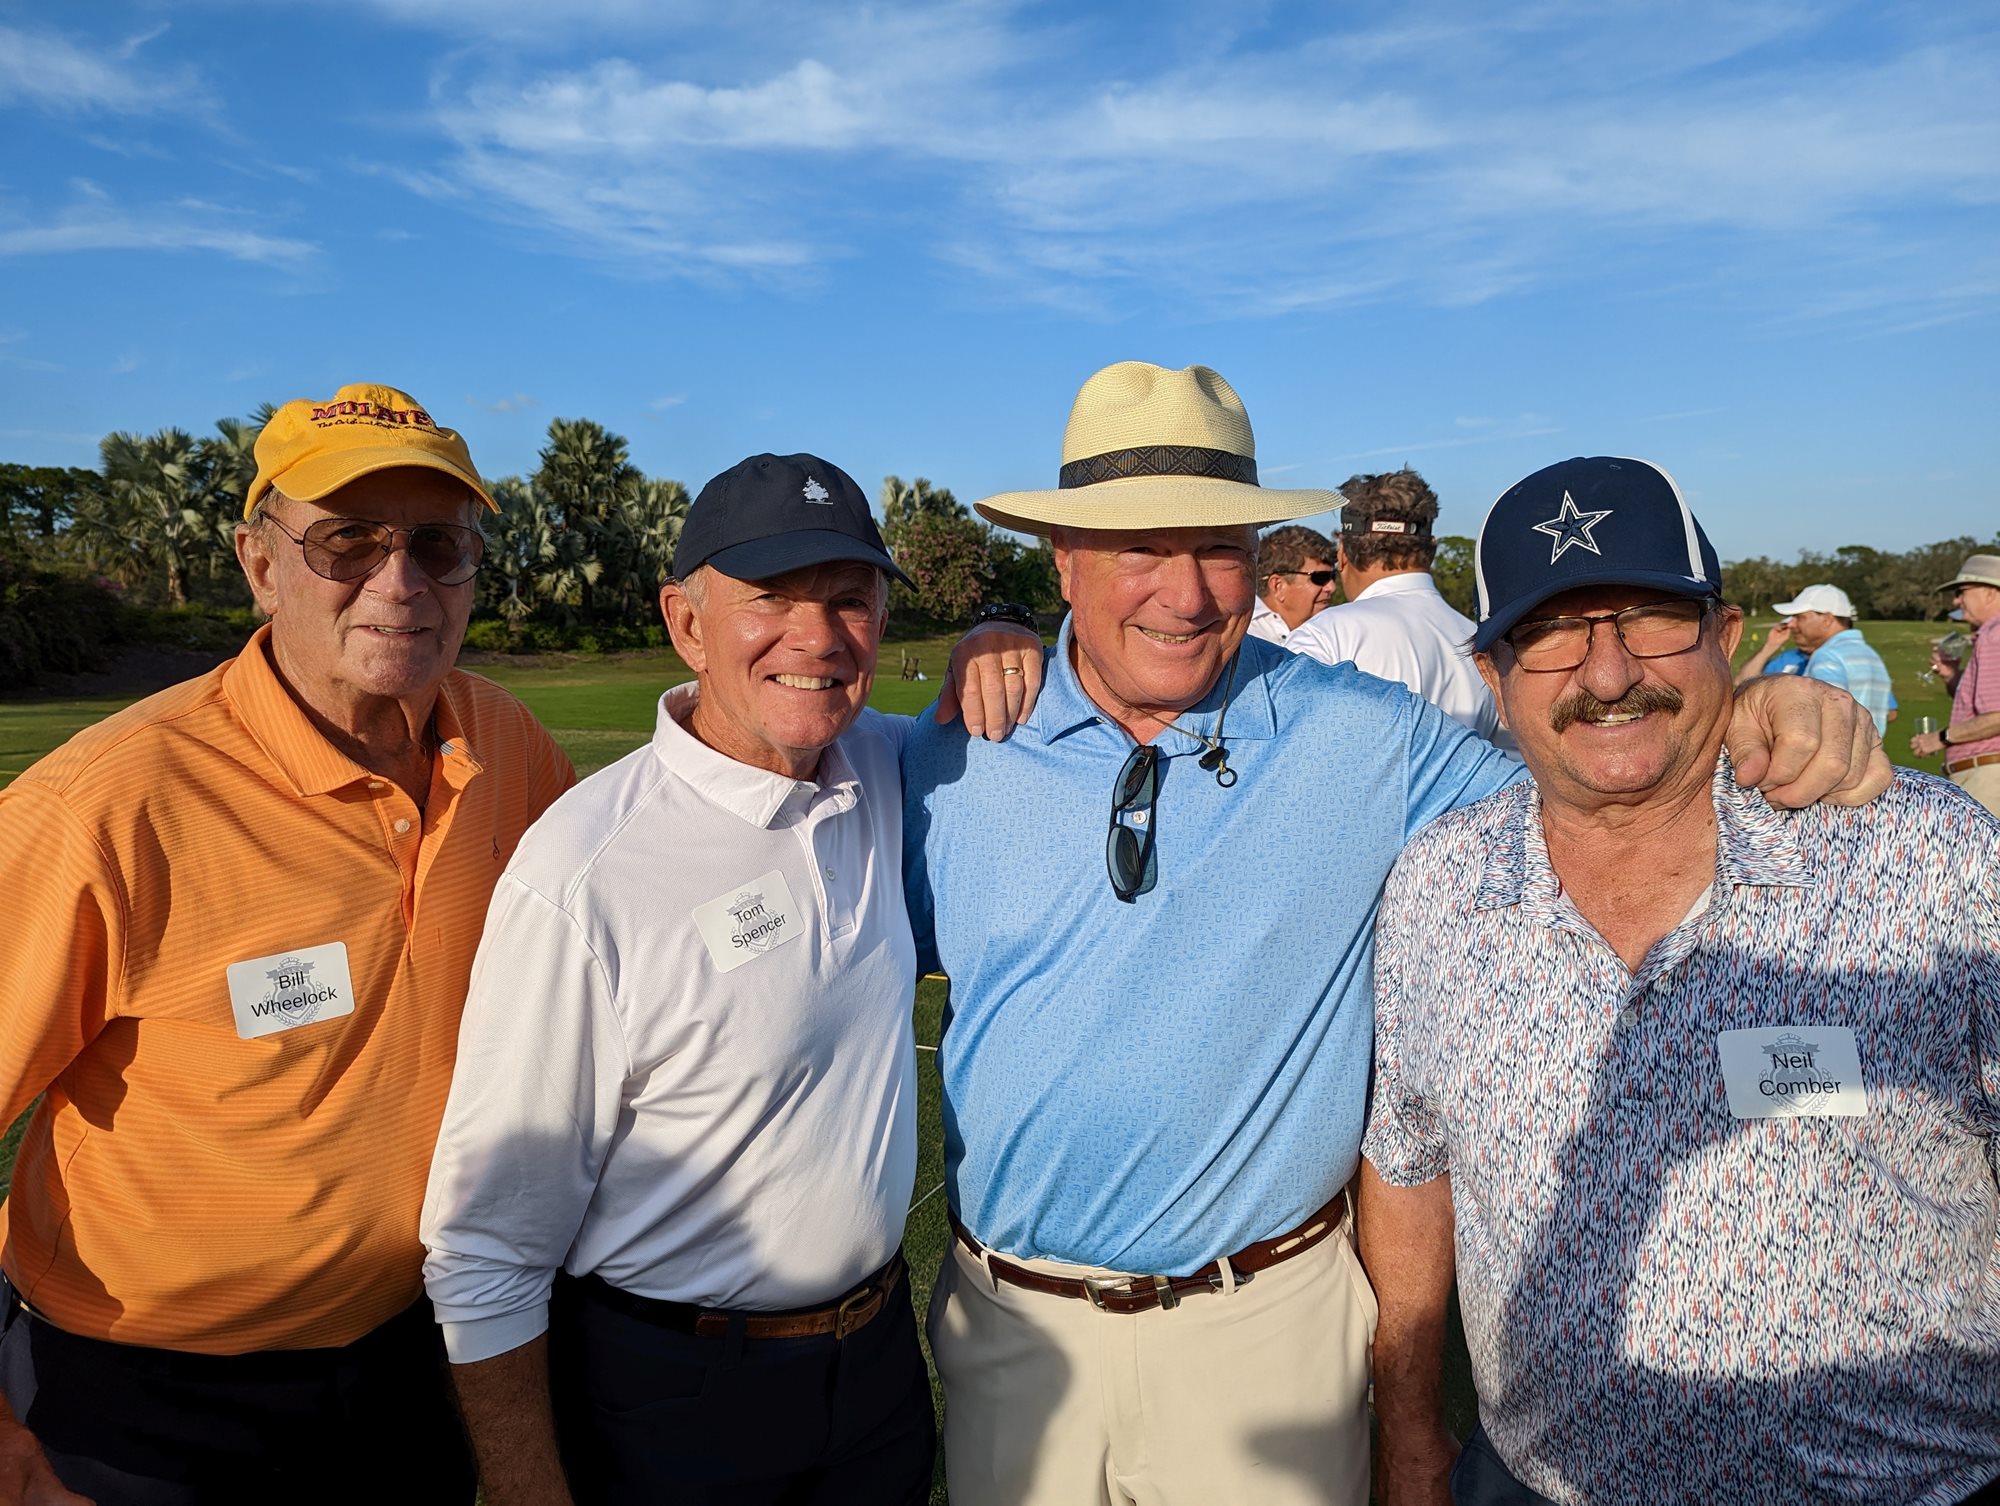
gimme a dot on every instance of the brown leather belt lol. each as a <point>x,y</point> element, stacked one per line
<point>849,1315</point>
<point>1977,761</point>
<point>1138,1294</point>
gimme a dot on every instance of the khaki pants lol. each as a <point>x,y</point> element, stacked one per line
<point>1255,1397</point>
<point>1982,784</point>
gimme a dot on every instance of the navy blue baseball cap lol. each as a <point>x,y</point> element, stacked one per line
<point>773,513</point>
<point>1601,521</point>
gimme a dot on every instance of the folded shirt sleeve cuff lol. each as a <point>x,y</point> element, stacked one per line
<point>474,1339</point>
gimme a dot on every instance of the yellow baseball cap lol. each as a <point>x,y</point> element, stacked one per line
<point>312,448</point>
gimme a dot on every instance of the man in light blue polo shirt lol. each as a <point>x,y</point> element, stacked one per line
<point>1156,1060</point>
<point>1823,625</point>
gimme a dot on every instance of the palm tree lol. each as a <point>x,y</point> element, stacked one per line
<point>586,476</point>
<point>157,516</point>
<point>901,502</point>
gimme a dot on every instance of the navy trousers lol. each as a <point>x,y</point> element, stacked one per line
<point>132,1426</point>
<point>648,1414</point>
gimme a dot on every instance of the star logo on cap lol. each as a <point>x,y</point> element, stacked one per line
<point>817,493</point>
<point>1571,527</point>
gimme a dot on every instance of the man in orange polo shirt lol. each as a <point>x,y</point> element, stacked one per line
<point>243,913</point>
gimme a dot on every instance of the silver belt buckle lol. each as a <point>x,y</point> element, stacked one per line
<point>1095,1287</point>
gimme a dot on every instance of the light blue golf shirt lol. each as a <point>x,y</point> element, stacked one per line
<point>1846,660</point>
<point>1147,1086</point>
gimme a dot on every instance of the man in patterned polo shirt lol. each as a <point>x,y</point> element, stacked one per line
<point>1700,1096</point>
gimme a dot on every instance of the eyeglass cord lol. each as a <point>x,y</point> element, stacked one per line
<point>1216,759</point>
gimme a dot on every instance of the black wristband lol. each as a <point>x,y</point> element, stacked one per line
<point>1944,735</point>
<point>1005,611</point>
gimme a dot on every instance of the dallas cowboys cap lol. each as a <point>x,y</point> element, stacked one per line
<point>773,513</point>
<point>1601,521</point>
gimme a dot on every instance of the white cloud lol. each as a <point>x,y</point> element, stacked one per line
<point>1456,155</point>
<point>53,73</point>
<point>94,222</point>
<point>1489,431</point>
<point>671,400</point>
<point>519,402</point>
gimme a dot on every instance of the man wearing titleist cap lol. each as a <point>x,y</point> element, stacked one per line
<point>1970,742</point>
<point>1394,623</point>
<point>1155,1074</point>
<point>1676,1079</point>
<point>243,914</point>
<point>670,1185</point>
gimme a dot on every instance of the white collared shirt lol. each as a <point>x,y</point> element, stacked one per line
<point>687,1061</point>
<point>1401,629</point>
<point>1268,625</point>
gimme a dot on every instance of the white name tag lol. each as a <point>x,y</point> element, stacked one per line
<point>748,921</point>
<point>1788,1070</point>
<point>290,989</point>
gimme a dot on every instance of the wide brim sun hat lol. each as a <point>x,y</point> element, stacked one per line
<point>1978,570</point>
<point>1147,448</point>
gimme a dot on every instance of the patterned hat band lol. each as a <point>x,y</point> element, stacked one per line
<point>1408,527</point>
<point>1159,460</point>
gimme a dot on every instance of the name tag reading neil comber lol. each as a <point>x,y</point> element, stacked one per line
<point>1790,1071</point>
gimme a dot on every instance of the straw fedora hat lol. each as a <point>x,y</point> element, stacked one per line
<point>1151,448</point>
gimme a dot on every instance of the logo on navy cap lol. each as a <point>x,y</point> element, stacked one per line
<point>814,492</point>
<point>1571,527</point>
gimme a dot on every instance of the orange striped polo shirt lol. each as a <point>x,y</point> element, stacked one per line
<point>220,1164</point>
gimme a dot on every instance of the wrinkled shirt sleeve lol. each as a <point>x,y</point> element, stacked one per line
<point>535,1097</point>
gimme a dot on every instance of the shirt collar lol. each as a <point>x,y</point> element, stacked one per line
<point>1064,707</point>
<point>1754,846</point>
<point>298,748</point>
<point>1402,583</point>
<point>757,796</point>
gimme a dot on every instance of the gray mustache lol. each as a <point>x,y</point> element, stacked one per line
<point>1639,700</point>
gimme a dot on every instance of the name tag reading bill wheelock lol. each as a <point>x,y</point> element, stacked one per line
<point>748,921</point>
<point>1786,1071</point>
<point>290,989</point>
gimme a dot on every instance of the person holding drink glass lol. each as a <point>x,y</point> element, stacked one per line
<point>1970,741</point>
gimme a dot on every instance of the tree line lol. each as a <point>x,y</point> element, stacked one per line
<point>583,541</point>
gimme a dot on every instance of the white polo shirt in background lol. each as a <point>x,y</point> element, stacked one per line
<point>1268,624</point>
<point>1401,629</point>
<point>687,1062</point>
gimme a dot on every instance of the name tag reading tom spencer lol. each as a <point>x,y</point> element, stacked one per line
<point>288,989</point>
<point>1787,1071</point>
<point>748,921</point>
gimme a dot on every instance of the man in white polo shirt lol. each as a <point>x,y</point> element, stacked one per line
<point>1394,624</point>
<point>671,1181</point>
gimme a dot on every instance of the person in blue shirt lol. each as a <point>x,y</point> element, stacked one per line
<point>1156,1057</point>
<point>1779,655</point>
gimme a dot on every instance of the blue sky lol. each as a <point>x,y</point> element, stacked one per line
<point>1758,243</point>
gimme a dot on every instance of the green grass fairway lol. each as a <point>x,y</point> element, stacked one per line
<point>597,709</point>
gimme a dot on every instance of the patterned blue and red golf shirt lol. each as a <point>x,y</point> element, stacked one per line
<point>1664,1300</point>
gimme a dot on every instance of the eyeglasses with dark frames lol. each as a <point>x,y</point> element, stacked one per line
<point>353,548</point>
<point>1317,577</point>
<point>1128,849</point>
<point>1651,630</point>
